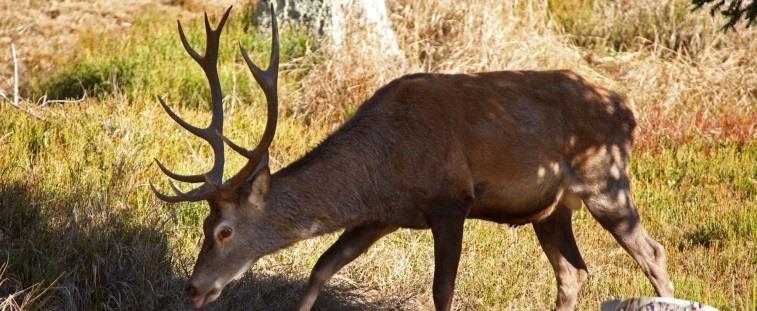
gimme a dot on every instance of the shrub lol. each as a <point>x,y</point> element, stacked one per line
<point>86,78</point>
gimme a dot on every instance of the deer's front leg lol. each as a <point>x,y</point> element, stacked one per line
<point>349,246</point>
<point>448,239</point>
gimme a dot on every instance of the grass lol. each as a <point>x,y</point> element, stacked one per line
<point>81,230</point>
<point>625,25</point>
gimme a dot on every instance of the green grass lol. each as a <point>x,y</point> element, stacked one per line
<point>75,205</point>
<point>150,61</point>
<point>86,78</point>
<point>79,208</point>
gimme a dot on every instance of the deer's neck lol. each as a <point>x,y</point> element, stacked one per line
<point>335,186</point>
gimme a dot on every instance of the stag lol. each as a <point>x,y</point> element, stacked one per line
<point>425,151</point>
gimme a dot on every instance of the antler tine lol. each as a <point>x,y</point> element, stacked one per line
<point>164,197</point>
<point>221,23</point>
<point>268,78</point>
<point>268,81</point>
<point>208,29</point>
<point>189,127</point>
<point>239,149</point>
<point>196,56</point>
<point>211,45</point>
<point>195,195</point>
<point>185,178</point>
<point>176,189</point>
<point>274,60</point>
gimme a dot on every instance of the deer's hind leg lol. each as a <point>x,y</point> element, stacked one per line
<point>555,235</point>
<point>616,212</point>
<point>605,189</point>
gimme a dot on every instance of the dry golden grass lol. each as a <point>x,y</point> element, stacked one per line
<point>75,207</point>
<point>687,77</point>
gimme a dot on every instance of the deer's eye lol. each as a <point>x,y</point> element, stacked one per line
<point>225,233</point>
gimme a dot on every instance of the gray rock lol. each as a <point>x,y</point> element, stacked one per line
<point>314,14</point>
<point>654,304</point>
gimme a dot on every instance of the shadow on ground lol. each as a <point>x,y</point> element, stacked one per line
<point>277,292</point>
<point>102,258</point>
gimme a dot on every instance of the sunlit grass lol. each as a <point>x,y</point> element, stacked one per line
<point>76,199</point>
<point>76,205</point>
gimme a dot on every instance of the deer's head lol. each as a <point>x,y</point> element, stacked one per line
<point>237,204</point>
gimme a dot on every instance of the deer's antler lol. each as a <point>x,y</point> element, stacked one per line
<point>213,185</point>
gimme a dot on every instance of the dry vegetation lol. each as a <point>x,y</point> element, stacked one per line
<point>79,228</point>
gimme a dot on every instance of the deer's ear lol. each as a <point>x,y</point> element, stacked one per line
<point>261,184</point>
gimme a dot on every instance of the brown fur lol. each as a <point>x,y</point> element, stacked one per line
<point>484,137</point>
<point>429,151</point>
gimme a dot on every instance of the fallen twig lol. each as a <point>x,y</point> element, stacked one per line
<point>63,101</point>
<point>43,101</point>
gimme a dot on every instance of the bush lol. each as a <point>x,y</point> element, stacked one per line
<point>86,78</point>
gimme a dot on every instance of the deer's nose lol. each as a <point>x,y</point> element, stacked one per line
<point>190,289</point>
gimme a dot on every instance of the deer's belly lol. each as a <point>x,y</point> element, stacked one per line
<point>516,203</point>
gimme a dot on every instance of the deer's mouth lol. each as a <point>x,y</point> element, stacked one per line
<point>199,301</point>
